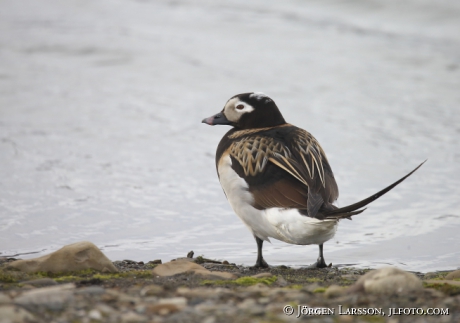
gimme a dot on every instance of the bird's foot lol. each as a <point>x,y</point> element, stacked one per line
<point>260,263</point>
<point>320,263</point>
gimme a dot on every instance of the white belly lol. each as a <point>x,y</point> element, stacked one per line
<point>287,225</point>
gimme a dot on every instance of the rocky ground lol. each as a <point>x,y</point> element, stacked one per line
<point>209,291</point>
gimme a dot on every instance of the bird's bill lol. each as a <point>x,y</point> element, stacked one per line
<point>216,119</point>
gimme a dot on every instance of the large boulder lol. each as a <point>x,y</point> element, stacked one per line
<point>74,257</point>
<point>386,281</point>
<point>453,275</point>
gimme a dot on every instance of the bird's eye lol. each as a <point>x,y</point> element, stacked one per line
<point>240,107</point>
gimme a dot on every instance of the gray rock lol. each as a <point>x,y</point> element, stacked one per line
<point>334,291</point>
<point>152,290</point>
<point>262,275</point>
<point>42,282</point>
<point>181,266</point>
<point>132,317</point>
<point>386,281</point>
<point>210,319</point>
<point>13,314</point>
<point>74,257</point>
<point>162,309</point>
<point>95,315</point>
<point>215,274</point>
<point>280,281</point>
<point>4,299</point>
<point>178,301</point>
<point>105,309</point>
<point>176,267</point>
<point>53,298</point>
<point>202,292</point>
<point>91,290</point>
<point>114,295</point>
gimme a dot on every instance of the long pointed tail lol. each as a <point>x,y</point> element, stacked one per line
<point>348,211</point>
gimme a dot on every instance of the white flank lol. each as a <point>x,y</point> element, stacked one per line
<point>287,225</point>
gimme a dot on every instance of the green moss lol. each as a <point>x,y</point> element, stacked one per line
<point>125,274</point>
<point>447,289</point>
<point>319,290</point>
<point>346,282</point>
<point>10,276</point>
<point>81,273</point>
<point>150,266</point>
<point>313,279</point>
<point>296,286</point>
<point>6,277</point>
<point>67,279</point>
<point>242,281</point>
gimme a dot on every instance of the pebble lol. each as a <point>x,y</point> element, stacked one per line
<point>152,290</point>
<point>178,301</point>
<point>91,290</point>
<point>247,304</point>
<point>259,287</point>
<point>162,309</point>
<point>132,317</point>
<point>104,309</point>
<point>95,315</point>
<point>280,281</point>
<point>13,314</point>
<point>112,294</point>
<point>4,299</point>
<point>210,319</point>
<point>334,291</point>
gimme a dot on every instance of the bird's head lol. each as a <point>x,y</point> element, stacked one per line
<point>248,111</point>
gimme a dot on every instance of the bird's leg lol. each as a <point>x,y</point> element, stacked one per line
<point>320,263</point>
<point>260,263</point>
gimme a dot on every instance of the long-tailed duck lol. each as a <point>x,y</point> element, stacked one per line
<point>277,177</point>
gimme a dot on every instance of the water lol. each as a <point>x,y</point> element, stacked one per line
<point>101,140</point>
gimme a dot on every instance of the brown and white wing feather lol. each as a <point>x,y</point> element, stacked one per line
<point>301,156</point>
<point>253,153</point>
<point>308,163</point>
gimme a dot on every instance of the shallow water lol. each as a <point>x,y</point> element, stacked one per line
<point>101,140</point>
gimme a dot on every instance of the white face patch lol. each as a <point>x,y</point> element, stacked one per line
<point>235,108</point>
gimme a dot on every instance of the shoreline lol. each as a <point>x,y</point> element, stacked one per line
<point>137,294</point>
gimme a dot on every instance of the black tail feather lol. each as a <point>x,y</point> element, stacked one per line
<point>348,211</point>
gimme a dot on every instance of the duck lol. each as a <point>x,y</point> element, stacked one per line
<point>277,177</point>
